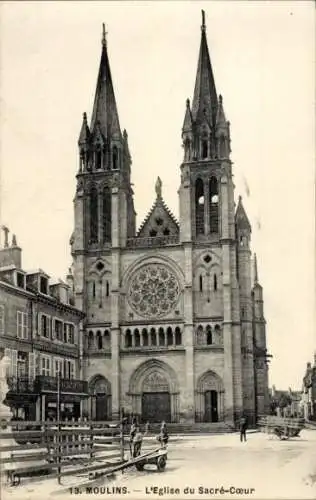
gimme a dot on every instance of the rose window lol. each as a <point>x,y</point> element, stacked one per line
<point>153,291</point>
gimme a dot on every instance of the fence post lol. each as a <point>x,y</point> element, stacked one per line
<point>91,440</point>
<point>58,429</point>
<point>122,440</point>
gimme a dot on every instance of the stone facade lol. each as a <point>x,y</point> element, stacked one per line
<point>309,391</point>
<point>41,335</point>
<point>174,325</point>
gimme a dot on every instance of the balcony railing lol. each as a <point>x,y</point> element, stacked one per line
<point>20,385</point>
<point>153,241</point>
<point>46,383</point>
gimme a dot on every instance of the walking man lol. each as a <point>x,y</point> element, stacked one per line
<point>243,429</point>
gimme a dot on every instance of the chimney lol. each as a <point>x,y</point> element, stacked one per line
<point>10,255</point>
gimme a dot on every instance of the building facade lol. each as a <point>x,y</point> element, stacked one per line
<point>174,324</point>
<point>40,333</point>
<point>309,391</point>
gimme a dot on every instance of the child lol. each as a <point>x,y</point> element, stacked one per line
<point>132,434</point>
<point>137,442</point>
<point>163,437</point>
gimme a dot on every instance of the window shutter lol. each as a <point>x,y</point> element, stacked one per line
<point>53,328</point>
<point>18,324</point>
<point>49,367</point>
<point>32,366</point>
<point>1,320</point>
<point>14,362</point>
<point>49,327</point>
<point>8,354</point>
<point>37,364</point>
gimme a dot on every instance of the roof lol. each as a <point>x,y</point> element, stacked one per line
<point>205,96</point>
<point>159,219</point>
<point>105,113</point>
<point>241,218</point>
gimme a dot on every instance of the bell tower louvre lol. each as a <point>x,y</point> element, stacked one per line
<point>172,326</point>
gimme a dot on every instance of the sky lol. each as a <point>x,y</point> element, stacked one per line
<point>263,58</point>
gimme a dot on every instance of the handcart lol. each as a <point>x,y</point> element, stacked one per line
<point>282,427</point>
<point>156,457</point>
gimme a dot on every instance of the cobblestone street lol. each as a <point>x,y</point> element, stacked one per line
<point>263,467</point>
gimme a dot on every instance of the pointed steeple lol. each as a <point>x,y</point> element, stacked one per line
<point>84,132</point>
<point>105,114</point>
<point>205,97</point>
<point>242,220</point>
<point>187,123</point>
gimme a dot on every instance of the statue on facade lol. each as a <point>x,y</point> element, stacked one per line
<point>158,187</point>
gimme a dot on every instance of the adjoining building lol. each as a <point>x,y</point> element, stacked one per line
<point>174,324</point>
<point>40,332</point>
<point>285,403</point>
<point>309,391</point>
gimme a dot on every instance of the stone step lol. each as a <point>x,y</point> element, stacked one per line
<point>207,428</point>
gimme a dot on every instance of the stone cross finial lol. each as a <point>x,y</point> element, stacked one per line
<point>104,33</point>
<point>203,20</point>
<point>6,231</point>
<point>158,187</point>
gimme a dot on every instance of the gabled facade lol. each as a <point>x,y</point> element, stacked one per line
<point>174,327</point>
<point>40,333</point>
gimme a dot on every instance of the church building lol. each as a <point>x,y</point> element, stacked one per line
<point>174,324</point>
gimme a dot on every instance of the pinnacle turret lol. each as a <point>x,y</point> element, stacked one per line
<point>84,132</point>
<point>241,217</point>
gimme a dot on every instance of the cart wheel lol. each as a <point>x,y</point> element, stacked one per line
<point>161,464</point>
<point>139,466</point>
<point>14,480</point>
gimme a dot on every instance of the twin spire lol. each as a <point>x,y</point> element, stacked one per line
<point>204,102</point>
<point>205,131</point>
<point>104,120</point>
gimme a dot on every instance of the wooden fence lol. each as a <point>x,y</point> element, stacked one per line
<point>59,449</point>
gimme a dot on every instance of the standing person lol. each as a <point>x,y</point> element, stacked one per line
<point>243,428</point>
<point>163,437</point>
<point>147,428</point>
<point>137,442</point>
<point>132,434</point>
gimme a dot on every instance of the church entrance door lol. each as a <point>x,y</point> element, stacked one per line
<point>101,407</point>
<point>211,406</point>
<point>156,407</point>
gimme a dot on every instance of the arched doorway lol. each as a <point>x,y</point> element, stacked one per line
<point>209,398</point>
<point>155,393</point>
<point>156,401</point>
<point>100,390</point>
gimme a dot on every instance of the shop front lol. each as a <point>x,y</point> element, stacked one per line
<point>69,392</point>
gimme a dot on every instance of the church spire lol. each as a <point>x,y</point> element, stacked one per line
<point>105,115</point>
<point>205,96</point>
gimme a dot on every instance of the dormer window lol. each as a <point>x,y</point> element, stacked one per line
<point>43,285</point>
<point>20,280</point>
